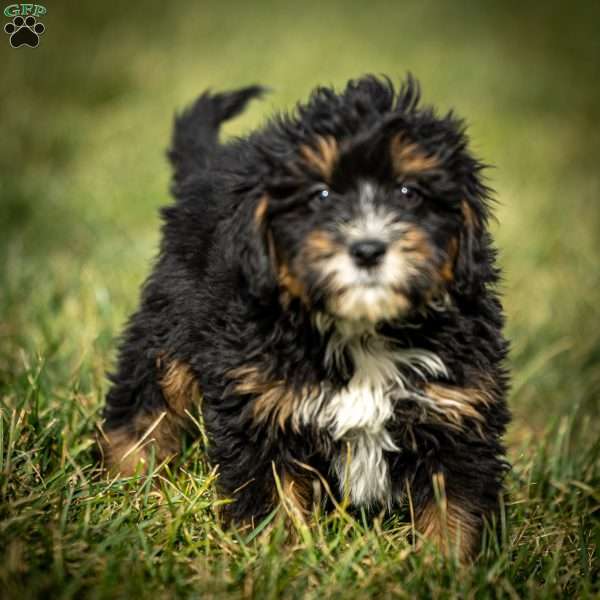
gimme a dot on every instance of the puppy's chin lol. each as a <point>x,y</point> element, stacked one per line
<point>369,303</point>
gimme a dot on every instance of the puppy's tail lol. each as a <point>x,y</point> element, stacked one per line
<point>196,129</point>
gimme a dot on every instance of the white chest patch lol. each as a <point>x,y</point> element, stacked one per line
<point>358,414</point>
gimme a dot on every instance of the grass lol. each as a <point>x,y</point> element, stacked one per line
<point>85,120</point>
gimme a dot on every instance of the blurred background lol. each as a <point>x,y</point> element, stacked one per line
<point>85,119</point>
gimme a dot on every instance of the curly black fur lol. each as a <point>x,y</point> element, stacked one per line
<point>252,301</point>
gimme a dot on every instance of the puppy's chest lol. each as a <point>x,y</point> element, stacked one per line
<point>358,416</point>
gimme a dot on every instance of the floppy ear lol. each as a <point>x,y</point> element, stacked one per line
<point>469,269</point>
<point>252,248</point>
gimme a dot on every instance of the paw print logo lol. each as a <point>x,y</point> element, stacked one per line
<point>24,32</point>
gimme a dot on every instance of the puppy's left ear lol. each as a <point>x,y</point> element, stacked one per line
<point>253,250</point>
<point>471,262</point>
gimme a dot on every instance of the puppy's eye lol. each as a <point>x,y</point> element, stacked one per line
<point>409,194</point>
<point>320,194</point>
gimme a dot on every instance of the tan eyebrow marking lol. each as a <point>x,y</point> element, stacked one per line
<point>323,157</point>
<point>408,158</point>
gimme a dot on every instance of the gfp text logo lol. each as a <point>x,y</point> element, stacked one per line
<point>25,28</point>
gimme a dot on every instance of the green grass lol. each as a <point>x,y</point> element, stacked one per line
<point>85,119</point>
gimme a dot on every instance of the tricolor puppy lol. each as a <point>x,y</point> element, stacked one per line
<point>325,297</point>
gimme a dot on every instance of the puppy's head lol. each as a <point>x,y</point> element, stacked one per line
<point>370,209</point>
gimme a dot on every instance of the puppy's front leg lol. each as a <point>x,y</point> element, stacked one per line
<point>451,507</point>
<point>256,490</point>
<point>260,453</point>
<point>450,522</point>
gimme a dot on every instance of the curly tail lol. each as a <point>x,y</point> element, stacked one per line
<point>196,129</point>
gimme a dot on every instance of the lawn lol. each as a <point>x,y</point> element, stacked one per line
<point>85,120</point>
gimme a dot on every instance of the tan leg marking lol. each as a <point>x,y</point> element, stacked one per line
<point>127,449</point>
<point>296,496</point>
<point>123,453</point>
<point>180,388</point>
<point>449,525</point>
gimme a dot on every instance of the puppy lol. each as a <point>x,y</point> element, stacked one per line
<point>325,300</point>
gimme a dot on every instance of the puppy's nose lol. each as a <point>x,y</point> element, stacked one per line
<point>367,253</point>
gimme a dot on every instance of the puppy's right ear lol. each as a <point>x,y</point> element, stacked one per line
<point>253,250</point>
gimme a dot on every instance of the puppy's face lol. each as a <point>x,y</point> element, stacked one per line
<point>372,231</point>
<point>370,209</point>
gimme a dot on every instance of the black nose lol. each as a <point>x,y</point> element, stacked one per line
<point>367,253</point>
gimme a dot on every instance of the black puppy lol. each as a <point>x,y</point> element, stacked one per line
<point>325,298</point>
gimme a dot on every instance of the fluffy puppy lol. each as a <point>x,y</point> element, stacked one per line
<point>325,299</point>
